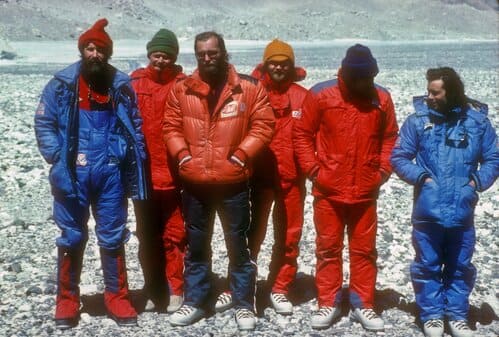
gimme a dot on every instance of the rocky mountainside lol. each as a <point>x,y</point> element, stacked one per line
<point>255,19</point>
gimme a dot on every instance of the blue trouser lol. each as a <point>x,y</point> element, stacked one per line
<point>232,207</point>
<point>99,185</point>
<point>442,273</point>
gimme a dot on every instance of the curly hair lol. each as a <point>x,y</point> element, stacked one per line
<point>454,87</point>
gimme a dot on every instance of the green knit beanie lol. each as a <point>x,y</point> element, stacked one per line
<point>165,41</point>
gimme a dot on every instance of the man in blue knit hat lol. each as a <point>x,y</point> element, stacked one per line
<point>343,142</point>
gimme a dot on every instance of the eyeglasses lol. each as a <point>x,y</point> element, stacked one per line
<point>201,55</point>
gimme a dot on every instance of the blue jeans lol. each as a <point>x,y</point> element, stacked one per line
<point>199,207</point>
<point>442,273</point>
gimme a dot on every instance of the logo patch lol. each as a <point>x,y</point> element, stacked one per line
<point>230,110</point>
<point>81,160</point>
<point>40,110</point>
<point>296,114</point>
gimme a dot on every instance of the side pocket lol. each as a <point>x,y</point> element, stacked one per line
<point>59,179</point>
<point>426,203</point>
<point>465,207</point>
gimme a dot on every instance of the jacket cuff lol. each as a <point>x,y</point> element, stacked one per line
<point>241,155</point>
<point>182,154</point>
<point>477,182</point>
<point>421,178</point>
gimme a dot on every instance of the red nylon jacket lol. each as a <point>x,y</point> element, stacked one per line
<point>151,93</point>
<point>242,121</point>
<point>286,100</point>
<point>344,144</point>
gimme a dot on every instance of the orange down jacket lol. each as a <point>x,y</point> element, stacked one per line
<point>151,93</point>
<point>286,100</point>
<point>241,121</point>
<point>344,144</point>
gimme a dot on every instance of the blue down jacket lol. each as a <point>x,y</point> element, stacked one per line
<point>56,128</point>
<point>452,149</point>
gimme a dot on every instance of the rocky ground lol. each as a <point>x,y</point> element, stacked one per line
<point>28,254</point>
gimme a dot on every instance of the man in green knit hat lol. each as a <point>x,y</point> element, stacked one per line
<point>160,226</point>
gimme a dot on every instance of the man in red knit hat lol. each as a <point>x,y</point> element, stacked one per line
<point>88,128</point>
<point>160,226</point>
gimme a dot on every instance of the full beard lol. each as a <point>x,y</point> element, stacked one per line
<point>214,73</point>
<point>98,74</point>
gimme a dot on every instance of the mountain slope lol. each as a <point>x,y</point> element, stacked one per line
<point>254,19</point>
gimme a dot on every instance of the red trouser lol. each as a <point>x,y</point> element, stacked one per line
<point>330,218</point>
<point>161,234</point>
<point>288,222</point>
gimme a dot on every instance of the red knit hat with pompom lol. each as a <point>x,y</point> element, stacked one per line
<point>97,35</point>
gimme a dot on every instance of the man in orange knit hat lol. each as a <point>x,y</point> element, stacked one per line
<point>88,128</point>
<point>160,226</point>
<point>276,177</point>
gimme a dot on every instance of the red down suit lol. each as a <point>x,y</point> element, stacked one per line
<point>160,226</point>
<point>344,144</point>
<point>278,179</point>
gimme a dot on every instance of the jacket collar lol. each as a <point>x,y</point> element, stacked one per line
<point>422,108</point>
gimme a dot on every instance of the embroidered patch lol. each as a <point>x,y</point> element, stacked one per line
<point>230,110</point>
<point>40,110</point>
<point>296,114</point>
<point>81,160</point>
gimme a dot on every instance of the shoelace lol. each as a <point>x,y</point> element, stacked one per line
<point>224,298</point>
<point>369,313</point>
<point>434,323</point>
<point>244,313</point>
<point>280,298</point>
<point>460,325</point>
<point>185,310</point>
<point>325,311</point>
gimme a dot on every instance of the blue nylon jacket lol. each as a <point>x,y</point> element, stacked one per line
<point>451,149</point>
<point>56,129</point>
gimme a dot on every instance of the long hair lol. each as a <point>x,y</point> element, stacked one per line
<point>454,87</point>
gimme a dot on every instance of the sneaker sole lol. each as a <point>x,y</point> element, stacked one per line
<point>66,323</point>
<point>225,308</point>
<point>355,319</point>
<point>284,312</point>
<point>321,327</point>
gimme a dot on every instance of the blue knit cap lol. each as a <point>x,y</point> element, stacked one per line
<point>359,62</point>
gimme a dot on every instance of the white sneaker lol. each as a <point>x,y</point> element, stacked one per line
<point>460,329</point>
<point>245,319</point>
<point>368,319</point>
<point>224,302</point>
<point>324,317</point>
<point>176,302</point>
<point>433,328</point>
<point>186,315</point>
<point>281,304</point>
